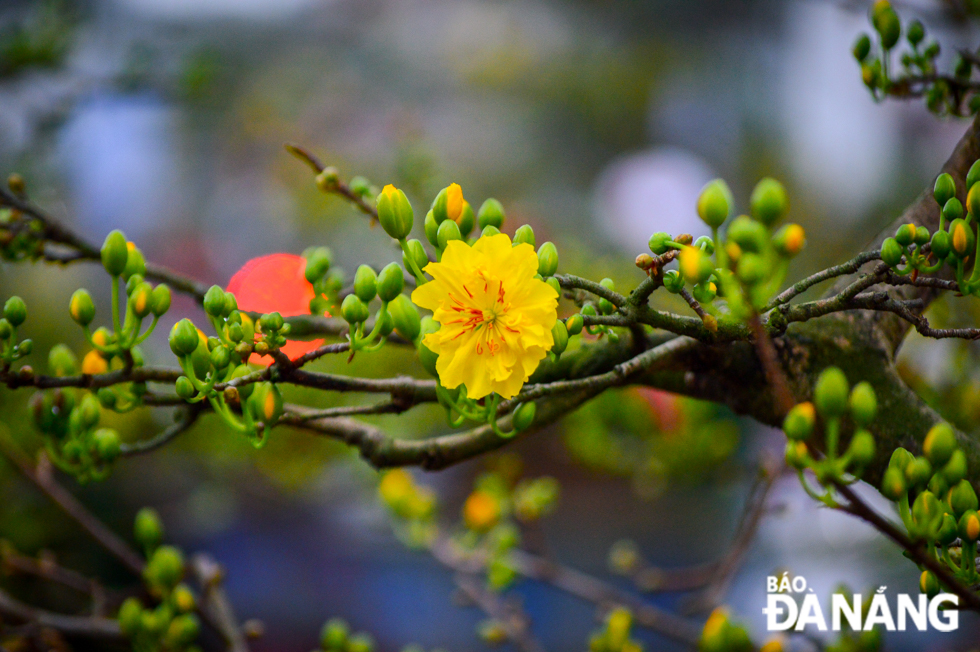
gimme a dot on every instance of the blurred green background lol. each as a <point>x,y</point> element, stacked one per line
<point>595,121</point>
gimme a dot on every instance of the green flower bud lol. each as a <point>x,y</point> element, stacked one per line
<point>524,416</point>
<point>941,244</point>
<point>929,583</point>
<point>318,264</point>
<point>220,357</point>
<point>391,281</point>
<point>107,397</point>
<point>365,283</point>
<point>752,268</point>
<point>673,281</point>
<point>658,243</point>
<point>141,300</point>
<point>789,240</point>
<point>926,509</point>
<point>244,391</point>
<point>554,284</point>
<point>165,568</point>
<point>905,234</point>
<point>948,530</point>
<point>559,332</point>
<point>185,388</point>
<point>768,201</point>
<point>606,307</point>
<point>6,330</point>
<point>89,411</point>
<point>547,259</point>
<point>431,229</point>
<point>962,238</point>
<point>418,255</point>
<point>893,485</point>
<point>973,175</point>
<point>955,469</point>
<point>796,454</point>
<point>447,232</point>
<point>916,32</point>
<point>440,206</point>
<point>918,472</point>
<point>695,265</point>
<point>938,485</point>
<point>62,361</point>
<point>900,459</point>
<point>939,444</point>
<point>385,324</point>
<point>81,308</point>
<point>491,213</point>
<point>862,448</point>
<point>489,231</point>
<point>962,497</point>
<point>705,292</point>
<point>360,186</point>
<point>921,235</point>
<point>115,253</point>
<point>748,234</point>
<point>714,203</point>
<point>891,252</point>
<point>705,244</point>
<point>830,393</point>
<point>360,642</point>
<point>395,212</point>
<point>952,210</point>
<point>405,317</point>
<point>466,219</point>
<point>15,311</point>
<point>945,189</point>
<point>886,23</point>
<point>864,404</point>
<point>106,442</point>
<point>130,617</point>
<point>184,338</point>
<point>798,424</point>
<point>182,631</point>
<point>524,234</point>
<point>148,529</point>
<point>973,201</point>
<point>333,635</point>
<point>135,264</point>
<point>862,48</point>
<point>265,404</point>
<point>353,310</point>
<point>969,526</point>
<point>574,324</point>
<point>183,598</point>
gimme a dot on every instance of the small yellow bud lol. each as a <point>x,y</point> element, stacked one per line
<point>93,363</point>
<point>454,202</point>
<point>481,511</point>
<point>395,486</point>
<point>774,644</point>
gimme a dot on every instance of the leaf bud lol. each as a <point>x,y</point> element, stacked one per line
<point>798,424</point>
<point>114,253</point>
<point>862,448</point>
<point>524,416</point>
<point>714,203</point>
<point>864,403</point>
<point>395,212</point>
<point>147,528</point>
<point>360,186</point>
<point>447,232</point>
<point>658,243</point>
<point>160,300</point>
<point>391,282</point>
<point>574,324</point>
<point>789,240</point>
<point>15,311</point>
<point>945,189</point>
<point>418,255</point>
<point>491,213</point>
<point>891,252</point>
<point>768,202</point>
<point>525,234</point>
<point>547,259</point>
<point>830,393</point>
<point>862,48</point>
<point>939,444</point>
<point>184,338</point>
<point>62,361</point>
<point>327,179</point>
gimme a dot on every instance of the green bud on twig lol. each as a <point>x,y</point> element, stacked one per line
<point>939,444</point>
<point>798,424</point>
<point>184,338</point>
<point>941,244</point>
<point>525,234</point>
<point>893,484</point>
<point>658,243</point>
<point>148,529</point>
<point>973,175</point>
<point>353,310</point>
<point>365,283</point>
<point>891,252</point>
<point>405,317</point>
<point>491,213</point>
<point>864,404</point>
<point>886,23</point>
<point>81,308</point>
<point>15,311</point>
<point>547,259</point>
<point>768,201</point>
<point>945,188</point>
<point>318,264</point>
<point>395,212</point>
<point>391,282</point>
<point>524,416</point>
<point>447,232</point>
<point>830,393</point>
<point>714,203</point>
<point>115,253</point>
<point>862,48</point>
<point>862,448</point>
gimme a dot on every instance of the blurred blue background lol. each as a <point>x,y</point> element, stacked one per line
<point>595,121</point>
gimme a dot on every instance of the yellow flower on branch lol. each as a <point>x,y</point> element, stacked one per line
<point>495,317</point>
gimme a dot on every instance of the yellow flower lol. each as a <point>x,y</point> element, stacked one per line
<point>495,317</point>
<point>481,511</point>
<point>93,363</point>
<point>454,202</point>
